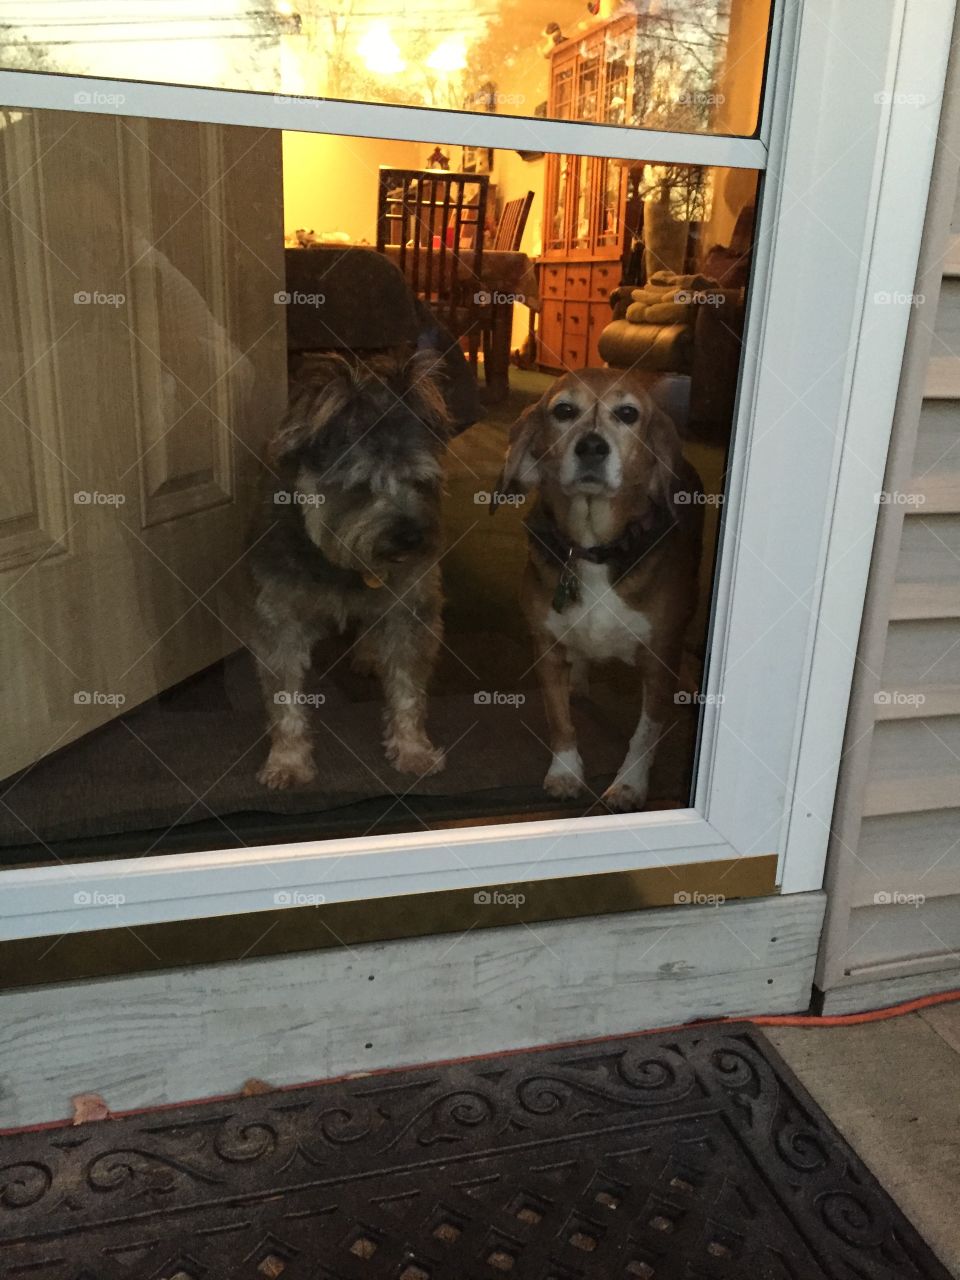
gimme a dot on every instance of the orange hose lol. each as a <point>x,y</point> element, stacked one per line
<point>852,1019</point>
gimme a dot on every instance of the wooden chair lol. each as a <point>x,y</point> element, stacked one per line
<point>430,223</point>
<point>494,324</point>
<point>512,222</point>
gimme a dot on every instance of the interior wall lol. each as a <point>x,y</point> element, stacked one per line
<point>741,76</point>
<point>738,86</point>
<point>330,183</point>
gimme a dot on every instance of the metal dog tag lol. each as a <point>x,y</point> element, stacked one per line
<point>568,588</point>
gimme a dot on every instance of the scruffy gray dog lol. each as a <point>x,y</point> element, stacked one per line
<point>352,545</point>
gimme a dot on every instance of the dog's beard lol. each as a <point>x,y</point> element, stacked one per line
<point>355,529</point>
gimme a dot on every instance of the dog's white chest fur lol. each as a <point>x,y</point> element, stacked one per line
<point>599,626</point>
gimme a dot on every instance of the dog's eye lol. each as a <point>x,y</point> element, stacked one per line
<point>627,413</point>
<point>564,411</point>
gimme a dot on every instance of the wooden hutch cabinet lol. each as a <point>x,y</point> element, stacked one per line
<point>584,234</point>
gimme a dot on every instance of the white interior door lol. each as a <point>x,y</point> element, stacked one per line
<point>141,369</point>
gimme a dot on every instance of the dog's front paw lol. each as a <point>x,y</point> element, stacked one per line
<point>285,769</point>
<point>564,779</point>
<point>419,758</point>
<point>625,797</point>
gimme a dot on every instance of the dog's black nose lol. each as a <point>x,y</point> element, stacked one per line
<point>592,446</point>
<point>408,536</point>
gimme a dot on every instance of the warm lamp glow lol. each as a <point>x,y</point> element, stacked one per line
<point>380,51</point>
<point>450,55</point>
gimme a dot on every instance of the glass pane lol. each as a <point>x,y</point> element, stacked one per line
<point>610,188</point>
<point>678,65</point>
<point>558,214</point>
<point>253,589</point>
<point>581,222</point>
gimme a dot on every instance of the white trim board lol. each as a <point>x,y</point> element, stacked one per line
<point>43,901</point>
<point>194,1033</point>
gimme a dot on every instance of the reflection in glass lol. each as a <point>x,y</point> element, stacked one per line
<point>677,65</point>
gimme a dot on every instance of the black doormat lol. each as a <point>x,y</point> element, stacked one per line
<point>692,1154</point>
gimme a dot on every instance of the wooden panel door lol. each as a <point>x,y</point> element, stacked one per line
<point>142,365</point>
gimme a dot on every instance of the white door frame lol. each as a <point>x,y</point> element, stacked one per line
<point>847,140</point>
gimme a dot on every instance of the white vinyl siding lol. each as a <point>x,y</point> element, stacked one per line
<point>894,861</point>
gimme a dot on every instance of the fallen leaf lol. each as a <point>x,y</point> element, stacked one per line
<point>254,1086</point>
<point>89,1106</point>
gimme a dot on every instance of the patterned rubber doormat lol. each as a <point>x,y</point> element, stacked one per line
<point>692,1154</point>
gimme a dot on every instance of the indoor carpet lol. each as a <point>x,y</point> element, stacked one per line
<point>683,1155</point>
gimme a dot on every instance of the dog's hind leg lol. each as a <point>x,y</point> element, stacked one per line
<point>407,648</point>
<point>283,658</point>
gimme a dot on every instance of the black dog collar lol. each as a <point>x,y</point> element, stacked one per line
<point>628,547</point>
<point>622,552</point>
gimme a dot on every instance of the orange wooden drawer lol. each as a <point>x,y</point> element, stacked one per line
<point>600,317</point>
<point>552,281</point>
<point>576,318</point>
<point>604,278</point>
<point>577,283</point>
<point>551,334</point>
<point>574,352</point>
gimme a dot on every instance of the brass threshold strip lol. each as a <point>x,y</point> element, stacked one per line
<point>104,953</point>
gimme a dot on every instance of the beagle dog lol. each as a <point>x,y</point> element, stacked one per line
<point>614,553</point>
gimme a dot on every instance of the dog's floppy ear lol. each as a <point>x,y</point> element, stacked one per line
<point>667,468</point>
<point>521,468</point>
<point>321,389</point>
